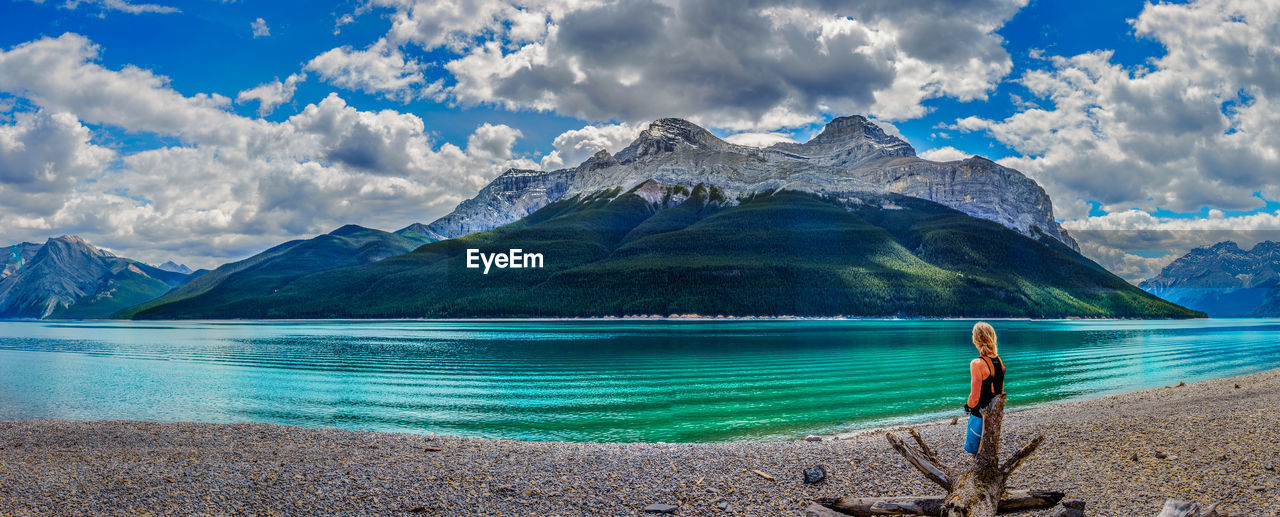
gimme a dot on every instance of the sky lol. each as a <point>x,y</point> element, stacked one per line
<point>204,131</point>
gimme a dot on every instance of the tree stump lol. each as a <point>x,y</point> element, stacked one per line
<point>978,491</point>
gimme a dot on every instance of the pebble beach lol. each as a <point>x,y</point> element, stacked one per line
<point>1213,441</point>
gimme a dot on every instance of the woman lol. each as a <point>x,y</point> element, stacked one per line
<point>986,380</point>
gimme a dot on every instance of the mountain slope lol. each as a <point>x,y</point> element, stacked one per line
<point>69,278</point>
<point>851,157</point>
<point>665,248</point>
<point>214,292</point>
<point>514,194</point>
<point>1223,280</point>
<point>16,257</point>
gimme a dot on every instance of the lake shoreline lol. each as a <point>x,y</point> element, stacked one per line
<point>678,317</point>
<point>1207,441</point>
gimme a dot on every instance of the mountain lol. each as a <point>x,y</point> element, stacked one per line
<point>217,292</point>
<point>16,256</point>
<point>514,194</point>
<point>659,249</point>
<point>67,277</point>
<point>1223,280</point>
<point>850,223</point>
<point>176,268</point>
<point>850,158</point>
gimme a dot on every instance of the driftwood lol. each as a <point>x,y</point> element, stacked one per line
<point>978,491</point>
<point>926,505</point>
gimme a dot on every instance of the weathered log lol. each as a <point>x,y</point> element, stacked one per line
<point>977,491</point>
<point>1014,500</point>
<point>924,460</point>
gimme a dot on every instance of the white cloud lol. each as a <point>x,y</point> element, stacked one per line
<point>260,28</point>
<point>1198,126</point>
<point>456,23</point>
<point>60,74</point>
<point>745,66</point>
<point>342,20</point>
<point>573,147</point>
<point>43,157</point>
<point>272,94</point>
<point>761,140</point>
<point>235,185</point>
<point>1136,245</point>
<point>944,154</point>
<point>381,69</point>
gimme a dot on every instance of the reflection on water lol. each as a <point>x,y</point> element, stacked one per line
<point>591,380</point>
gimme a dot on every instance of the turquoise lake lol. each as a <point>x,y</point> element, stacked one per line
<point>670,381</point>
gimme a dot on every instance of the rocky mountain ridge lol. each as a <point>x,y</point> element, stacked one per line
<point>67,276</point>
<point>852,157</point>
<point>174,267</point>
<point>1223,280</point>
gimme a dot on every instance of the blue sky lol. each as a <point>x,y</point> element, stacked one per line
<point>143,130</point>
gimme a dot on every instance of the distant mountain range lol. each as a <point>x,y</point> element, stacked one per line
<point>1223,280</point>
<point>175,268</point>
<point>217,293</point>
<point>67,277</point>
<point>849,223</point>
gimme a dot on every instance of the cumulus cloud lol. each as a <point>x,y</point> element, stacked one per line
<point>260,28</point>
<point>60,74</point>
<point>944,154</point>
<point>272,94</point>
<point>456,23</point>
<point>1196,127</point>
<point>1136,245</point>
<point>234,186</point>
<point>745,66</point>
<point>43,157</point>
<point>381,69</point>
<point>575,146</point>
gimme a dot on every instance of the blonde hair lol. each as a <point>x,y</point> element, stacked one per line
<point>984,337</point>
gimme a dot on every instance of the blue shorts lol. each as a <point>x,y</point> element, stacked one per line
<point>973,435</point>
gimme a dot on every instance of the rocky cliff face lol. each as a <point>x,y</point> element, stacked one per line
<point>850,158</point>
<point>847,142</point>
<point>509,197</point>
<point>1223,265</point>
<point>67,270</point>
<point>16,257</point>
<point>1223,280</point>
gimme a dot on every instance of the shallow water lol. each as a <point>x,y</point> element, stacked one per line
<point>592,380</point>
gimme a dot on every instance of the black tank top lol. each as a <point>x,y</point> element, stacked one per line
<point>994,383</point>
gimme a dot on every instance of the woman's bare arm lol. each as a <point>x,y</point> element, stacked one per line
<point>977,372</point>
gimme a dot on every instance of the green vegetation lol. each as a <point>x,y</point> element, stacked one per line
<point>218,292</point>
<point>128,284</point>
<point>616,254</point>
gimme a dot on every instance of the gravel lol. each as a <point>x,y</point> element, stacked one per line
<point>1221,443</point>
